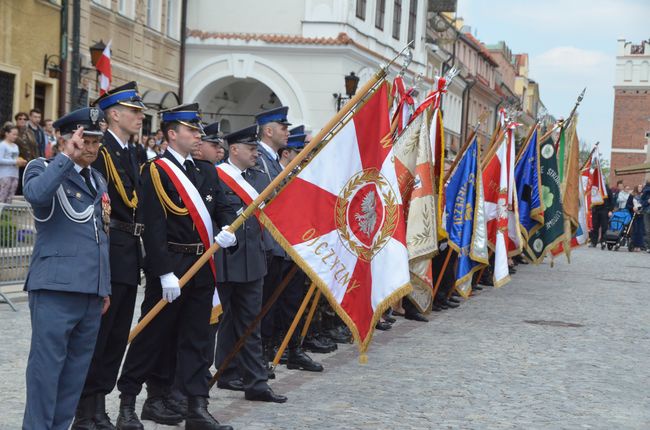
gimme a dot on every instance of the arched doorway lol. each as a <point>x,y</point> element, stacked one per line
<point>234,102</point>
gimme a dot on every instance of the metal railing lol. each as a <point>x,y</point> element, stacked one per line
<point>17,236</point>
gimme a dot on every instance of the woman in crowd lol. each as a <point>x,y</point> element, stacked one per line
<point>10,161</point>
<point>634,205</point>
<point>152,149</point>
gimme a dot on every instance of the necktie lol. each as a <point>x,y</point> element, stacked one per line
<point>189,171</point>
<point>85,173</point>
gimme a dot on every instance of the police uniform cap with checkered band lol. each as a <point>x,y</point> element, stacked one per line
<point>88,118</point>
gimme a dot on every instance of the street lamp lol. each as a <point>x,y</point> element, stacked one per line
<point>351,84</point>
<point>96,52</point>
<point>53,69</point>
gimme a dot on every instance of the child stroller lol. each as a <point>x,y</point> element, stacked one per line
<point>619,230</point>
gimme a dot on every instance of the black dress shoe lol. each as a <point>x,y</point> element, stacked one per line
<point>338,336</point>
<point>155,409</point>
<point>436,308</point>
<point>127,418</point>
<point>198,417</point>
<point>297,359</point>
<point>452,305</point>
<point>234,385</point>
<point>101,418</point>
<point>266,396</point>
<point>383,326</point>
<point>83,417</point>
<point>477,287</point>
<point>453,299</point>
<point>442,304</point>
<point>416,316</point>
<point>315,344</point>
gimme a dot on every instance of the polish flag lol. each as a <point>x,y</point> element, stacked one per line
<point>104,68</point>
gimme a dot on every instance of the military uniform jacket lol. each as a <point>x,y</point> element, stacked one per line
<point>68,256</point>
<point>126,253</point>
<point>246,262</point>
<point>271,167</point>
<point>165,224</point>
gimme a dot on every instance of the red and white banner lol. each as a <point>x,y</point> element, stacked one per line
<point>341,220</point>
<point>598,187</point>
<point>403,104</point>
<point>103,66</point>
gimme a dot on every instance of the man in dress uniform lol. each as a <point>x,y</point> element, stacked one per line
<point>273,135</point>
<point>117,162</point>
<point>183,207</point>
<point>69,275</point>
<point>240,273</point>
<point>294,293</point>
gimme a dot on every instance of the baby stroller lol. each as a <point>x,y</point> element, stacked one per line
<point>619,230</point>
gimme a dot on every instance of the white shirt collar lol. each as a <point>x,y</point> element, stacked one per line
<point>78,168</point>
<point>179,157</point>
<point>270,150</point>
<point>122,144</point>
<point>238,169</point>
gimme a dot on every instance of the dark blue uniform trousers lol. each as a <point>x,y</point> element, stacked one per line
<point>64,331</point>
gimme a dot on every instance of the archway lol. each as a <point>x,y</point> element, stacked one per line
<point>234,102</point>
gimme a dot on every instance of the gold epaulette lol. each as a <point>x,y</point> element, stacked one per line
<point>165,201</point>
<point>112,175</point>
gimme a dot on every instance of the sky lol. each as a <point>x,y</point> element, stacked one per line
<point>571,44</point>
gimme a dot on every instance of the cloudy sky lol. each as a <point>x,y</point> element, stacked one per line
<point>571,45</point>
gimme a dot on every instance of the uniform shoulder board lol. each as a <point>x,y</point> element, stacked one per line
<point>257,168</point>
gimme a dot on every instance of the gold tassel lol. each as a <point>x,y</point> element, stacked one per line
<point>363,358</point>
<point>166,202</point>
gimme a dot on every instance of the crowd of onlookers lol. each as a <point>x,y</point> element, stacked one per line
<point>636,201</point>
<point>31,136</point>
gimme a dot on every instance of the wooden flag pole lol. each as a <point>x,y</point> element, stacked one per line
<point>442,271</point>
<point>251,327</point>
<point>338,121</point>
<point>310,315</point>
<point>294,324</point>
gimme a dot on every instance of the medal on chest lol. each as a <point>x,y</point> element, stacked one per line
<point>106,211</point>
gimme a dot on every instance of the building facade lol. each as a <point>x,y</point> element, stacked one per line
<point>24,80</point>
<point>145,38</point>
<point>260,55</point>
<point>631,126</point>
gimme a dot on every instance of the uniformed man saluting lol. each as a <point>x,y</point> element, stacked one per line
<point>69,279</point>
<point>182,206</point>
<point>122,107</point>
<point>240,273</point>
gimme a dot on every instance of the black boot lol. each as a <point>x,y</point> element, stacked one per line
<point>297,359</point>
<point>128,419</point>
<point>83,418</point>
<point>198,417</point>
<point>156,409</point>
<point>102,420</point>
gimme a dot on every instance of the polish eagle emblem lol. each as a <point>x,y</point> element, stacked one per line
<point>367,219</point>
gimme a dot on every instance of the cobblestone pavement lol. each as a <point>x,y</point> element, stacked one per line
<point>562,347</point>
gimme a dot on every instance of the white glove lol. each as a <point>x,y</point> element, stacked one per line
<point>225,239</point>
<point>442,246</point>
<point>170,288</point>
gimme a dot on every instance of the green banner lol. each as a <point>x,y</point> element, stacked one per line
<point>544,239</point>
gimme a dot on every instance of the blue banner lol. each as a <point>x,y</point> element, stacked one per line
<point>460,201</point>
<point>527,178</point>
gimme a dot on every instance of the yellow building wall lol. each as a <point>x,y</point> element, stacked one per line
<point>30,30</point>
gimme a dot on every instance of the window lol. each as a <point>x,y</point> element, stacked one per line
<point>173,19</point>
<point>379,14</point>
<point>361,9</point>
<point>126,8</point>
<point>413,12</point>
<point>397,18</point>
<point>153,14</point>
<point>7,81</point>
<point>628,71</point>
